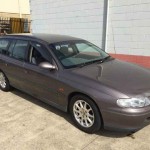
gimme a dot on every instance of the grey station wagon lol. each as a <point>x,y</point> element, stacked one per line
<point>76,76</point>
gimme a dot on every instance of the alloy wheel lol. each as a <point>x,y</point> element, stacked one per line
<point>2,80</point>
<point>83,113</point>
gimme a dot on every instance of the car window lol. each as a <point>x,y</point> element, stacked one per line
<point>3,46</point>
<point>43,50</point>
<point>88,49</point>
<point>20,49</point>
<point>11,47</point>
<point>36,57</point>
<point>38,54</point>
<point>77,53</point>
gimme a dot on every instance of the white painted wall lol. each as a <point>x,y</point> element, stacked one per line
<point>129,27</point>
<point>79,18</point>
<point>12,6</point>
<point>128,22</point>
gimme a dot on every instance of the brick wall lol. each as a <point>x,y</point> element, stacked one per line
<point>129,30</point>
<point>128,24</point>
<point>82,18</point>
<point>140,60</point>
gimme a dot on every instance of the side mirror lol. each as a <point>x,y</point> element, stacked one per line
<point>47,65</point>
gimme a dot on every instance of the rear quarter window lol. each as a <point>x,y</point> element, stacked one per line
<point>3,46</point>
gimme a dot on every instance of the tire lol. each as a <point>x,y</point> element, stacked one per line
<point>4,83</point>
<point>85,114</point>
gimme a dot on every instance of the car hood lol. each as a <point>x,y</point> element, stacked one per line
<point>124,77</point>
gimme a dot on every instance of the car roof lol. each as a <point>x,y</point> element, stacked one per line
<point>50,38</point>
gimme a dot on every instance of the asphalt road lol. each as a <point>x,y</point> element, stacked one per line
<point>29,124</point>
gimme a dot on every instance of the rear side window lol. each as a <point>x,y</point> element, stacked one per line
<point>3,46</point>
<point>11,47</point>
<point>20,49</point>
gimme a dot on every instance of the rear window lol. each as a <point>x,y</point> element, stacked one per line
<point>19,50</point>
<point>3,46</point>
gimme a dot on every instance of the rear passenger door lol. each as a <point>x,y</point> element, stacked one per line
<point>13,61</point>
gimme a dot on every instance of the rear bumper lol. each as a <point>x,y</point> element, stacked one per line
<point>126,122</point>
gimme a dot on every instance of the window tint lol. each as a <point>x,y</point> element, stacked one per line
<point>77,53</point>
<point>11,47</point>
<point>36,57</point>
<point>88,48</point>
<point>3,46</point>
<point>20,49</point>
<point>38,54</point>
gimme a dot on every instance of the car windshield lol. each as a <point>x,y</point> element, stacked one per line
<point>78,53</point>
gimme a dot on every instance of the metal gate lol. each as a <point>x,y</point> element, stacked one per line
<point>14,25</point>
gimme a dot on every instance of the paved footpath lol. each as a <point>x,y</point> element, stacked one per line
<point>29,124</point>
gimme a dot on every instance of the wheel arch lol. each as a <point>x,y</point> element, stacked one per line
<point>80,93</point>
<point>4,73</point>
<point>9,87</point>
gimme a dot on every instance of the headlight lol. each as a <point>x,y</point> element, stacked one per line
<point>133,102</point>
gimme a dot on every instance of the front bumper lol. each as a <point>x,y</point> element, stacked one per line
<point>125,121</point>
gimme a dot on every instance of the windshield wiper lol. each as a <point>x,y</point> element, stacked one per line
<point>85,64</point>
<point>90,62</point>
<point>94,61</point>
<point>104,59</point>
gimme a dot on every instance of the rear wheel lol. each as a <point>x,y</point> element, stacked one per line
<point>4,83</point>
<point>85,114</point>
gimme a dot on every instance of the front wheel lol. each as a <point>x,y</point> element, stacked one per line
<point>85,114</point>
<point>4,83</point>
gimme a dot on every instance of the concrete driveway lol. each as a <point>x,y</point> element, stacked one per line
<point>29,124</point>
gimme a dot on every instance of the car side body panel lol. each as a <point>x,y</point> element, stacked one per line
<point>103,82</point>
<point>14,71</point>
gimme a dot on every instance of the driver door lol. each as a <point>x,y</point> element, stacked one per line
<point>42,83</point>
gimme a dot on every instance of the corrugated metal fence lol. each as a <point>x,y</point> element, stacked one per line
<point>14,25</point>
